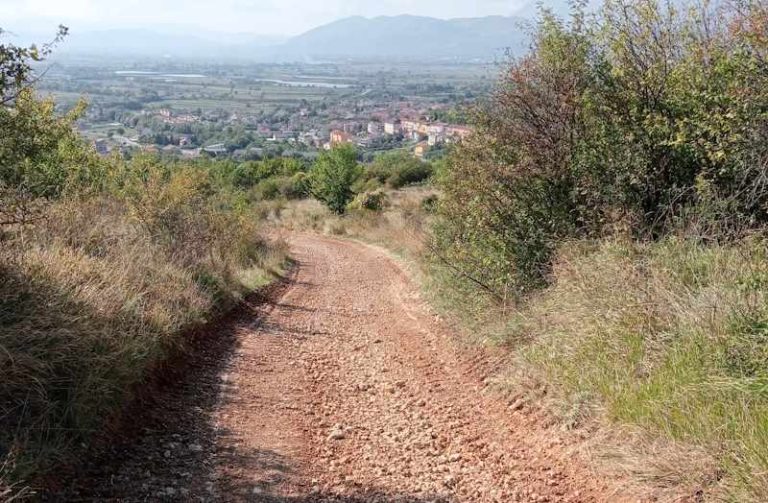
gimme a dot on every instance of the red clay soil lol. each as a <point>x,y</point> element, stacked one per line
<point>344,389</point>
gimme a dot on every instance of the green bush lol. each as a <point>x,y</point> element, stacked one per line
<point>251,173</point>
<point>282,187</point>
<point>645,119</point>
<point>268,189</point>
<point>395,170</point>
<point>296,187</point>
<point>333,175</point>
<point>409,175</point>
<point>372,201</point>
<point>429,203</point>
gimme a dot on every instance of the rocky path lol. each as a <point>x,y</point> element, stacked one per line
<point>344,389</point>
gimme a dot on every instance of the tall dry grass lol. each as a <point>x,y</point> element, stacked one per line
<point>399,226</point>
<point>98,294</point>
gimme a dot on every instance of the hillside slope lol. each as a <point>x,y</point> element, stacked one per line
<point>410,37</point>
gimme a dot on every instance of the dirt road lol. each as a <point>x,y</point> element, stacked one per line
<point>344,389</point>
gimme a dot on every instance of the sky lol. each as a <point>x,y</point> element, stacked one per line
<point>268,17</point>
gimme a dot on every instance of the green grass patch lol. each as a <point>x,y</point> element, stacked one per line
<point>670,338</point>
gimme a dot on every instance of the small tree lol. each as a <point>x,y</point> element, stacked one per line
<point>16,64</point>
<point>40,152</point>
<point>333,175</point>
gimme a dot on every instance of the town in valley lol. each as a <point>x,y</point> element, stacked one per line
<point>260,110</point>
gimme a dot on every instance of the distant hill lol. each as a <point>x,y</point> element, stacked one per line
<point>409,37</point>
<point>388,37</point>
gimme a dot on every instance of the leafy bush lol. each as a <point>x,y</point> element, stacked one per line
<point>333,175</point>
<point>395,170</point>
<point>268,189</point>
<point>429,203</point>
<point>283,187</point>
<point>634,122</point>
<point>409,175</point>
<point>372,201</point>
<point>251,173</point>
<point>296,187</point>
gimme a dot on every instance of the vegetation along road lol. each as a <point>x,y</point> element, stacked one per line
<point>343,388</point>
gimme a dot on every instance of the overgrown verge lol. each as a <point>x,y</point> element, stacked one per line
<point>607,223</point>
<point>656,349</point>
<point>669,337</point>
<point>97,295</point>
<point>105,266</point>
<point>395,219</point>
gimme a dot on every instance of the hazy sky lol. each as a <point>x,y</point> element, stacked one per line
<point>286,17</point>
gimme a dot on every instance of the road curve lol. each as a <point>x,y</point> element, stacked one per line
<point>345,389</point>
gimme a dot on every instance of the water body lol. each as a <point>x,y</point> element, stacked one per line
<point>141,73</point>
<point>293,83</point>
<point>324,77</point>
<point>184,75</point>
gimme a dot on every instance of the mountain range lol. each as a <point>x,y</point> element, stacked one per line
<point>403,37</point>
<point>409,37</point>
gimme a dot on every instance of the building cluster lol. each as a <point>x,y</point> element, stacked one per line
<point>426,134</point>
<point>369,124</point>
<point>167,116</point>
<point>434,133</point>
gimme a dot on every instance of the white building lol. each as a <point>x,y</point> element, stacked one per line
<point>435,139</point>
<point>373,128</point>
<point>392,128</point>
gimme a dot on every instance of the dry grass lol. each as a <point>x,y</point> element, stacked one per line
<point>96,297</point>
<point>399,227</point>
<point>669,340</point>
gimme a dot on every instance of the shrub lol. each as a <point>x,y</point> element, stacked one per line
<point>372,201</point>
<point>639,120</point>
<point>268,189</point>
<point>429,203</point>
<point>251,173</point>
<point>409,175</point>
<point>333,175</point>
<point>296,187</point>
<point>394,169</point>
